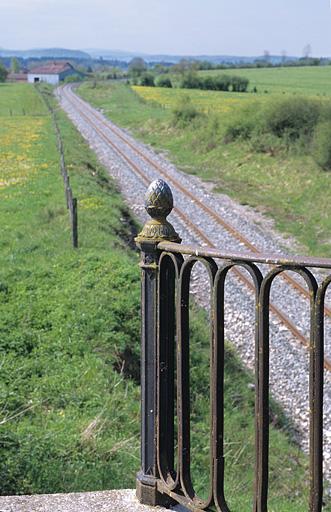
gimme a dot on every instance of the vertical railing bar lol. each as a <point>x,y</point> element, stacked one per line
<point>184,383</point>
<point>316,410</point>
<point>212,271</point>
<point>184,380</point>
<point>166,369</point>
<point>262,416</point>
<point>218,389</point>
<point>316,491</point>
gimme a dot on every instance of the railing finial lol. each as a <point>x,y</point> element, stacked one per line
<point>159,204</point>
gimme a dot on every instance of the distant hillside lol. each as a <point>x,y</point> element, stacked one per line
<point>216,59</point>
<point>52,53</point>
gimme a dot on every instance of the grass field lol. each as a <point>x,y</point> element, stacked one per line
<point>68,420</point>
<point>309,80</point>
<point>65,424</point>
<point>205,101</point>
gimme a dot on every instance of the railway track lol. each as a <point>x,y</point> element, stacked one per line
<point>97,122</point>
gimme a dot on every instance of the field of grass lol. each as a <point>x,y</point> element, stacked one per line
<point>65,422</point>
<point>68,420</point>
<point>289,187</point>
<point>19,101</point>
<point>205,101</point>
<point>309,80</point>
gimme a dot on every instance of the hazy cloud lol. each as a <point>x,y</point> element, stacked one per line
<point>172,26</point>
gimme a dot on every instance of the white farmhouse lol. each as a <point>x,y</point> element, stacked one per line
<point>52,73</point>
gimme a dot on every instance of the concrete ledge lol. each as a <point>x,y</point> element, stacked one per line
<point>107,501</point>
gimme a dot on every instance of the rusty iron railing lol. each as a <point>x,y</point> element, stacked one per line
<point>166,272</point>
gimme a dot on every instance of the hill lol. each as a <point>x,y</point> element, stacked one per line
<point>37,53</point>
<point>216,59</point>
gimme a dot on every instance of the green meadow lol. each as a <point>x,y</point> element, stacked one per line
<point>308,80</point>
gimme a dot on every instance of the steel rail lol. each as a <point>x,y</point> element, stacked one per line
<point>274,309</point>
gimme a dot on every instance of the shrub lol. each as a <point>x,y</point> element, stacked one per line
<point>191,81</point>
<point>208,84</point>
<point>222,82</point>
<point>238,130</point>
<point>292,118</point>
<point>209,136</point>
<point>147,80</point>
<point>245,122</point>
<point>164,81</point>
<point>218,83</point>
<point>184,112</point>
<point>239,84</point>
<point>266,143</point>
<point>73,78</point>
<point>3,73</point>
<point>321,147</point>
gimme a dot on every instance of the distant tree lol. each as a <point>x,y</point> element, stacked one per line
<point>191,80</point>
<point>205,64</point>
<point>164,81</point>
<point>266,55</point>
<point>306,52</point>
<point>3,73</point>
<point>160,69</point>
<point>14,65</point>
<point>147,79</point>
<point>239,84</point>
<point>284,57</point>
<point>222,82</point>
<point>182,67</point>
<point>137,66</point>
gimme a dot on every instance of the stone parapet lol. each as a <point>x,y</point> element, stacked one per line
<point>106,501</point>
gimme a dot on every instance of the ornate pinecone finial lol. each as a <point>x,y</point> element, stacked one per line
<point>159,204</point>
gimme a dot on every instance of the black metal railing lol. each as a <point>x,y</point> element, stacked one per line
<point>166,274</point>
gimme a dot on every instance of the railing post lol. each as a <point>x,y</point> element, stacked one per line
<point>158,203</point>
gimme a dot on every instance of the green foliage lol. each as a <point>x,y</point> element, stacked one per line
<point>164,81</point>
<point>147,80</point>
<point>185,112</point>
<point>73,78</point>
<point>14,65</point>
<point>239,84</point>
<point>322,145</point>
<point>3,73</point>
<point>292,117</point>
<point>192,80</point>
<point>137,66</point>
<point>244,122</point>
<point>279,123</point>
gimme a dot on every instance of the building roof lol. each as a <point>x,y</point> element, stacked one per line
<point>52,68</point>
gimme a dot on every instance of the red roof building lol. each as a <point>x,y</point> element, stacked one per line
<point>52,72</point>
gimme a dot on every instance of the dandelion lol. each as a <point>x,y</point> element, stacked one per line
<point>18,138</point>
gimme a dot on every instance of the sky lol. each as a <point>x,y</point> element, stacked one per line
<point>182,27</point>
